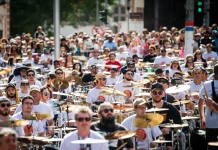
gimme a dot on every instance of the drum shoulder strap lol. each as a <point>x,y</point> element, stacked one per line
<point>214,95</point>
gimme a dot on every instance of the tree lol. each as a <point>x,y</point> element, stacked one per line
<point>27,15</point>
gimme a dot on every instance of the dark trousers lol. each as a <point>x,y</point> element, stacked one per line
<point>211,136</point>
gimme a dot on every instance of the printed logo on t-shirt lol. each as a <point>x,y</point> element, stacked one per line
<point>122,58</point>
<point>141,134</point>
<point>128,93</point>
<point>101,98</point>
<point>28,130</point>
<point>162,63</point>
<point>134,51</point>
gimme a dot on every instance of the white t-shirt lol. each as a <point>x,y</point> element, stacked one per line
<point>143,134</point>
<point>194,88</point>
<point>17,80</point>
<point>41,108</point>
<point>94,96</point>
<point>162,60</point>
<point>20,94</point>
<point>67,145</point>
<point>135,50</point>
<point>112,81</point>
<point>135,78</point>
<point>38,83</point>
<point>130,92</point>
<point>211,120</point>
<point>171,72</point>
<point>93,61</point>
<point>28,61</point>
<point>212,54</point>
<point>19,130</point>
<point>121,56</point>
<point>37,125</point>
<point>45,57</point>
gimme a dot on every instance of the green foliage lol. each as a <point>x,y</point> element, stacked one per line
<point>27,15</point>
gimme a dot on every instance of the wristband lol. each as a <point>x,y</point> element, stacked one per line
<point>211,105</point>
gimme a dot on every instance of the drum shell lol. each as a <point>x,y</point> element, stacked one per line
<point>198,140</point>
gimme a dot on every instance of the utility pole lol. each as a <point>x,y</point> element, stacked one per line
<point>156,14</point>
<point>106,9</point>
<point>97,11</point>
<point>207,13</point>
<point>128,8</point>
<point>56,14</point>
<point>189,27</point>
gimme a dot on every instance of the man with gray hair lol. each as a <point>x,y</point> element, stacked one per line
<point>83,117</point>
<point>8,139</point>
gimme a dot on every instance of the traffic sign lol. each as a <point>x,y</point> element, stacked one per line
<point>136,15</point>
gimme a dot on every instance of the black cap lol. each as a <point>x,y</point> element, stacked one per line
<point>93,67</point>
<point>157,86</point>
<point>126,70</point>
<point>161,79</point>
<point>176,81</point>
<point>159,71</point>
<point>135,56</point>
<point>113,69</point>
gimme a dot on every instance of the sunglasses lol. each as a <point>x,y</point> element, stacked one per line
<point>31,75</point>
<point>131,66</point>
<point>130,74</point>
<point>3,105</point>
<point>59,72</point>
<point>162,81</point>
<point>48,78</point>
<point>24,84</point>
<point>107,110</point>
<point>82,119</point>
<point>155,92</point>
<point>163,51</point>
<point>45,94</point>
<point>95,52</point>
<point>176,63</point>
<point>104,79</point>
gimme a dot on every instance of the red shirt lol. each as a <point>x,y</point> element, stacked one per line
<point>113,63</point>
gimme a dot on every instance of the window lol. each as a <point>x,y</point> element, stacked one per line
<point>115,18</point>
<point>123,10</point>
<point>123,18</point>
<point>116,10</point>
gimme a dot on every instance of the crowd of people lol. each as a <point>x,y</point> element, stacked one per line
<point>96,75</point>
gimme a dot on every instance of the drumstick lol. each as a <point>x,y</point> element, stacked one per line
<point>121,146</point>
<point>205,91</point>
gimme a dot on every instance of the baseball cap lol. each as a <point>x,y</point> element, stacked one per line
<point>99,75</point>
<point>139,102</point>
<point>130,63</point>
<point>163,79</point>
<point>34,88</point>
<point>157,86</point>
<point>113,69</point>
<point>176,81</point>
<point>93,67</point>
<point>159,71</point>
<point>4,99</point>
<point>10,85</point>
